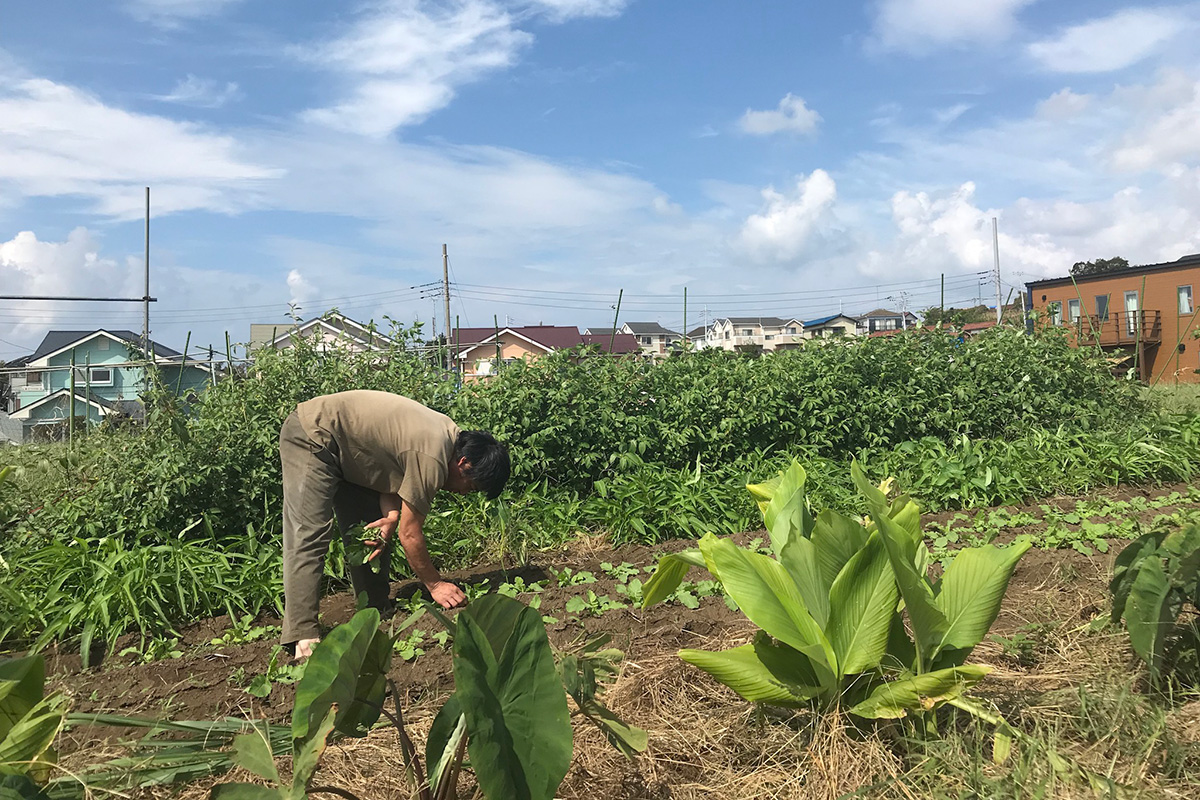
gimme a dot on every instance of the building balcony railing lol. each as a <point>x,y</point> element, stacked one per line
<point>1121,328</point>
<point>747,341</point>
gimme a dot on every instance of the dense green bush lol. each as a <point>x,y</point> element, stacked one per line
<point>645,451</point>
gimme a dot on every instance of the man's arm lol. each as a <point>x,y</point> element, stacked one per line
<point>412,539</point>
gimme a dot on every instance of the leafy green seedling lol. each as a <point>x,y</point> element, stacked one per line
<point>278,672</point>
<point>569,577</point>
<point>619,572</point>
<point>593,604</point>
<point>243,631</point>
<point>518,586</point>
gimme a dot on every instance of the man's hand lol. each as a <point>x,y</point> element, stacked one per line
<point>304,648</point>
<point>387,528</point>
<point>446,594</point>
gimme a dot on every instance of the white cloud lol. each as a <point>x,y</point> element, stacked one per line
<point>788,226</point>
<point>403,60</point>
<point>560,10</point>
<point>919,26</point>
<point>302,292</point>
<point>1166,126</point>
<point>1063,105</point>
<point>56,140</point>
<point>792,116</point>
<point>1110,43</point>
<point>201,93</point>
<point>170,13</point>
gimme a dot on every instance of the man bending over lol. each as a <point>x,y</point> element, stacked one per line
<point>378,458</point>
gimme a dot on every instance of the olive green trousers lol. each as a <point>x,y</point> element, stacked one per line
<point>315,497</point>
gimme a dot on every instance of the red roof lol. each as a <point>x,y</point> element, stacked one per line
<point>621,343</point>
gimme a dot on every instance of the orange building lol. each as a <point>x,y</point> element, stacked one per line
<point>1143,316</point>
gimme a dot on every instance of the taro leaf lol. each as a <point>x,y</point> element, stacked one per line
<point>497,618</point>
<point>1150,613</point>
<point>836,538</point>
<point>246,791</point>
<point>21,686</point>
<point>928,622</point>
<point>971,591</point>
<point>862,603</point>
<point>307,754</point>
<point>895,699</point>
<point>331,676</point>
<point>670,573</point>
<point>787,516</point>
<point>740,669</point>
<point>252,751</point>
<point>20,787</point>
<point>1125,569</point>
<point>767,595</point>
<point>449,726</point>
<point>517,719</point>
<point>628,739</point>
<point>1183,548</point>
<point>27,746</point>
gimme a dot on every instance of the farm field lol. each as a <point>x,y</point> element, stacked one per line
<point>963,568</point>
<point>1057,669</point>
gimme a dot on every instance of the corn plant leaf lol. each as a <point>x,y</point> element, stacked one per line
<point>669,574</point>
<point>252,751</point>
<point>307,754</point>
<point>836,538</point>
<point>919,693</point>
<point>971,591</point>
<point>27,747</point>
<point>740,669</point>
<point>21,686</point>
<point>516,710</point>
<point>449,727</point>
<point>928,622</point>
<point>1150,613</point>
<point>768,596</point>
<point>862,603</point>
<point>246,791</point>
<point>331,677</point>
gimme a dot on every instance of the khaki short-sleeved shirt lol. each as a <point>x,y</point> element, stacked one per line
<point>386,442</point>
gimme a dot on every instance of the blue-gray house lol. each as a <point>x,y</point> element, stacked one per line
<point>109,376</point>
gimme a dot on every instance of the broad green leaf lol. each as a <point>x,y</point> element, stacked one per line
<point>516,710</point>
<point>876,499</point>
<point>496,617</point>
<point>20,787</point>
<point>763,492</point>
<point>919,693</point>
<point>1125,569</point>
<point>445,737</point>
<point>307,754</point>
<point>799,558</point>
<point>788,664</point>
<point>740,669</point>
<point>787,515</point>
<point>670,573</point>
<point>331,676</point>
<point>21,686</point>
<point>971,591</point>
<point>928,622</point>
<point>836,538</point>
<point>252,751</point>
<point>245,791</point>
<point>768,596</point>
<point>1150,613</point>
<point>862,603</point>
<point>31,738</point>
<point>907,515</point>
<point>628,739</point>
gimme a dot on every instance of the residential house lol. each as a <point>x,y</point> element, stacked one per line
<point>333,330</point>
<point>109,376</point>
<point>832,325</point>
<point>654,339</point>
<point>699,336</point>
<point>881,319</point>
<point>478,352</point>
<point>1143,315</point>
<point>755,334</point>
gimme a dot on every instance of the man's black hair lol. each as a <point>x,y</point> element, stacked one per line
<point>488,459</point>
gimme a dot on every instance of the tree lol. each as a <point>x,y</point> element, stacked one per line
<point>1101,265</point>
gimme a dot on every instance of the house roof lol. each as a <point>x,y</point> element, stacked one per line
<point>649,328</point>
<point>598,331</point>
<point>810,323</point>
<point>621,343</point>
<point>883,312</point>
<point>337,323</point>
<point>105,406</point>
<point>549,337</point>
<point>57,341</point>
<point>699,332</point>
<point>1192,260</point>
<point>766,322</point>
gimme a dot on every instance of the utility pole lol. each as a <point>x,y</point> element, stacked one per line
<point>685,315</point>
<point>942,302</point>
<point>146,295</point>
<point>996,250</point>
<point>446,295</point>
<point>613,337</point>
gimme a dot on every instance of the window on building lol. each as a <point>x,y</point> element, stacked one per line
<point>769,336</point>
<point>791,329</point>
<point>100,376</point>
<point>1073,311</point>
<point>1185,300</point>
<point>33,380</point>
<point>646,340</point>
<point>747,331</point>
<point>1131,312</point>
<point>839,330</point>
<point>1054,312</point>
<point>726,334</point>
<point>1102,307</point>
<point>102,343</point>
<point>889,324</point>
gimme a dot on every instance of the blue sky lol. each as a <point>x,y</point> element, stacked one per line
<point>775,158</point>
